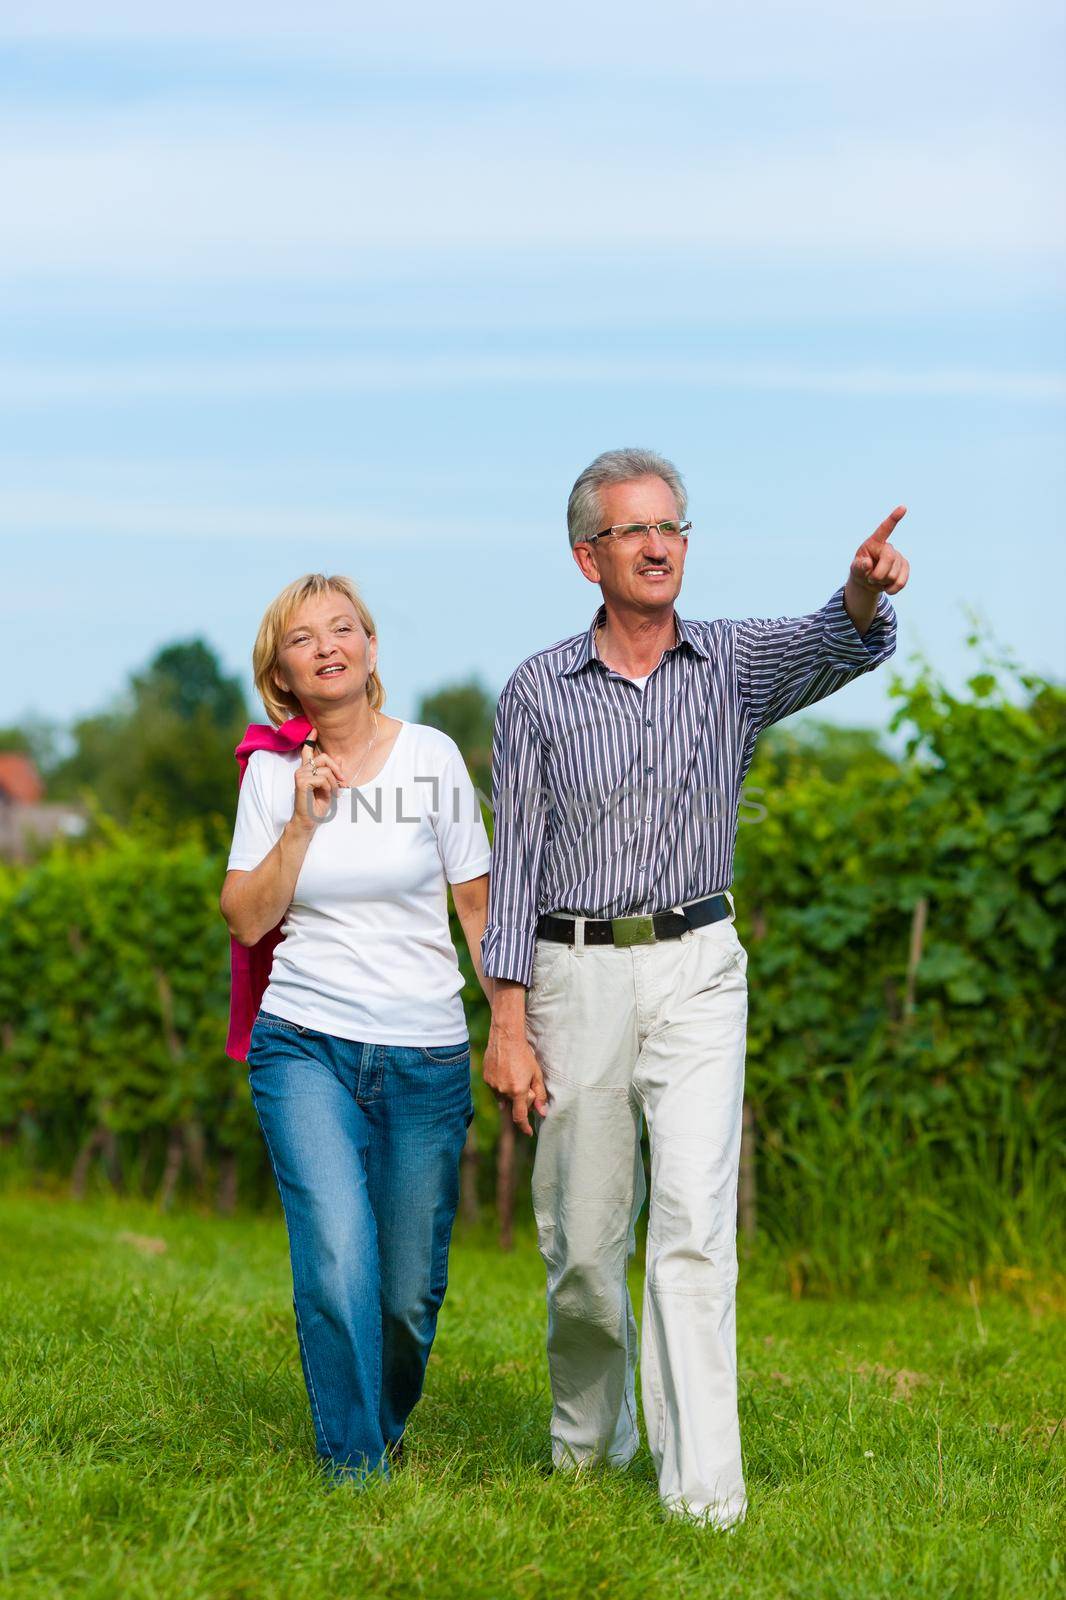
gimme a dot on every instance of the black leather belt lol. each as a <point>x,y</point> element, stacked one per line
<point>625,931</point>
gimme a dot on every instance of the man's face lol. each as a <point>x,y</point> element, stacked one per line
<point>642,573</point>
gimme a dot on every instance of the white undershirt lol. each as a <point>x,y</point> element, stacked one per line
<point>366,952</point>
<point>640,682</point>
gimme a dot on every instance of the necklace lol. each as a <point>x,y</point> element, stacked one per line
<point>373,740</point>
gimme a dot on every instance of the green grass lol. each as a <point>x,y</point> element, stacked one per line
<point>156,1440</point>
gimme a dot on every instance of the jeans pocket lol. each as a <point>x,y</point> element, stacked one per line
<point>444,1055</point>
<point>267,1019</point>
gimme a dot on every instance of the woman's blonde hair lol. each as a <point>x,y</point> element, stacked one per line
<point>279,703</point>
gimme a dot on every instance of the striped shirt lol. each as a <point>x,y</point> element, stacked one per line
<point>612,800</point>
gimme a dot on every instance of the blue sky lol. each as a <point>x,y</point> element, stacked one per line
<point>305,288</point>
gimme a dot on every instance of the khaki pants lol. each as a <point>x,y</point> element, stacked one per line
<point>654,1032</point>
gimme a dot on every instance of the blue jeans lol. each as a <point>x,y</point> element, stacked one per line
<point>365,1142</point>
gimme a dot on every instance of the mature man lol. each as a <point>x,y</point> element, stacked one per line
<point>618,760</point>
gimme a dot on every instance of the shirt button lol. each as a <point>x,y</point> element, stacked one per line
<point>649,769</point>
<point>647,722</point>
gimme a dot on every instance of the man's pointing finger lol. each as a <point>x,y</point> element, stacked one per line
<point>890,524</point>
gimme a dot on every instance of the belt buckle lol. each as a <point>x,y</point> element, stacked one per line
<point>633,930</point>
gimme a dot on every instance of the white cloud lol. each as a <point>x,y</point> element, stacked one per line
<point>210,197</point>
<point>495,129</point>
<point>33,511</point>
<point>750,37</point>
<point>114,383</point>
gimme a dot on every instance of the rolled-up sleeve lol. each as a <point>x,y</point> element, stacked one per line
<point>256,830</point>
<point>518,842</point>
<point>457,821</point>
<point>787,663</point>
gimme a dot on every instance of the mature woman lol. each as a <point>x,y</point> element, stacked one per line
<point>350,825</point>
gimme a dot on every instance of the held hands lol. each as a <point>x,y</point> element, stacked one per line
<point>513,1073</point>
<point>878,567</point>
<point>317,779</point>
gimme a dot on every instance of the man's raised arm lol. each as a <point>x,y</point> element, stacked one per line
<point>787,663</point>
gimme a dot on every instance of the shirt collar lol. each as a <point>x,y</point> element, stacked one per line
<point>585,648</point>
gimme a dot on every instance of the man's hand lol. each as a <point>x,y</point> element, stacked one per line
<point>510,1068</point>
<point>877,566</point>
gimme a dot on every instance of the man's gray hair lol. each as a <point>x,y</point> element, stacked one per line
<point>584,514</point>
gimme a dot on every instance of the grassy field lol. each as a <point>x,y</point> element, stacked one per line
<point>156,1439</point>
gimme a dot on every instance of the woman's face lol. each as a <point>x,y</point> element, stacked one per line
<point>325,658</point>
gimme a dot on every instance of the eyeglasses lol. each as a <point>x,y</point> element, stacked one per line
<point>632,532</point>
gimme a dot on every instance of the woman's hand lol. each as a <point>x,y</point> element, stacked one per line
<point>472,908</point>
<point>317,780</point>
<point>255,902</point>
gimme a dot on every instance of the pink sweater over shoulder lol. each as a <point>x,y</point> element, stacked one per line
<point>250,964</point>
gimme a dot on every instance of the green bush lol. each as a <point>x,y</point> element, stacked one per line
<point>910,1121</point>
<point>901,1074</point>
<point>115,983</point>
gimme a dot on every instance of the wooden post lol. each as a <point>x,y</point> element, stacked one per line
<point>9,1132</point>
<point>172,1168</point>
<point>226,1191</point>
<point>196,1154</point>
<point>505,1179</point>
<point>918,921</point>
<point>746,1199</point>
<point>185,1143</point>
<point>110,1157</point>
<point>82,1162</point>
<point>102,1143</point>
<point>468,1169</point>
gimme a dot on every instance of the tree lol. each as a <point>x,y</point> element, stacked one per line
<point>163,752</point>
<point>16,739</point>
<point>465,711</point>
<point>185,678</point>
<point>35,737</point>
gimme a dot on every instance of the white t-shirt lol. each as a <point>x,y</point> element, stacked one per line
<point>366,952</point>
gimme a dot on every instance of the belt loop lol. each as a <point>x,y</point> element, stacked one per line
<point>579,935</point>
<point>732,905</point>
